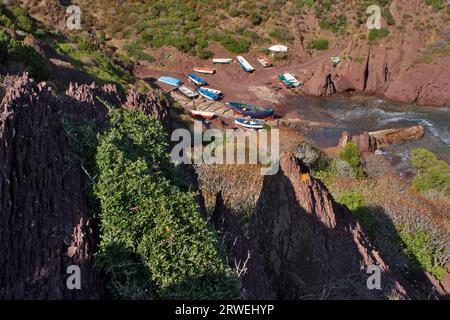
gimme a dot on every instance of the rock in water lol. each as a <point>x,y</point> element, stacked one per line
<point>310,244</point>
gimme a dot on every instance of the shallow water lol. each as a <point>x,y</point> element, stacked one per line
<point>359,114</point>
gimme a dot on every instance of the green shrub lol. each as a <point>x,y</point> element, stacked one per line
<point>418,248</point>
<point>350,154</point>
<point>147,210</point>
<point>433,175</point>
<point>376,34</point>
<point>235,44</point>
<point>320,44</point>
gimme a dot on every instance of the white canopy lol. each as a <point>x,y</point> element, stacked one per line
<point>278,48</point>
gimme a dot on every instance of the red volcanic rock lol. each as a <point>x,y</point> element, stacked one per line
<point>364,142</point>
<point>150,103</point>
<point>45,224</point>
<point>307,242</point>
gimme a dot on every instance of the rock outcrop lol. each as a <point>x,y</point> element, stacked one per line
<point>364,142</point>
<point>241,254</point>
<point>45,225</point>
<point>150,103</point>
<point>400,135</point>
<point>310,245</point>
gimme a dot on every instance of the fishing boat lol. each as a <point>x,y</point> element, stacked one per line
<point>250,110</point>
<point>289,80</point>
<point>222,61</point>
<point>208,94</point>
<point>188,92</point>
<point>218,92</point>
<point>249,123</point>
<point>172,81</point>
<point>245,64</point>
<point>264,61</point>
<point>196,79</point>
<point>205,70</point>
<point>202,114</point>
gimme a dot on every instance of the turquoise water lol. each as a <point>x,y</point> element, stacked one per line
<point>359,114</point>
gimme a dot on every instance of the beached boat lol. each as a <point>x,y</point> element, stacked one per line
<point>245,64</point>
<point>335,60</point>
<point>196,79</point>
<point>172,81</point>
<point>249,123</point>
<point>208,94</point>
<point>202,114</point>
<point>218,92</point>
<point>289,80</point>
<point>222,61</point>
<point>250,110</point>
<point>264,61</point>
<point>205,70</point>
<point>188,92</point>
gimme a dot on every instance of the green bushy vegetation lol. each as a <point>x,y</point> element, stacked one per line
<point>17,51</point>
<point>102,70</point>
<point>154,240</point>
<point>433,175</point>
<point>350,154</point>
<point>135,51</point>
<point>320,44</point>
<point>376,34</point>
<point>415,244</point>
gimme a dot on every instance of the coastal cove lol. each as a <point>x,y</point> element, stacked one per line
<point>357,114</point>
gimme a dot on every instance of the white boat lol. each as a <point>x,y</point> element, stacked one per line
<point>215,91</point>
<point>222,61</point>
<point>264,61</point>
<point>245,64</point>
<point>289,80</point>
<point>188,92</point>
<point>203,114</point>
<point>205,70</point>
<point>249,123</point>
<point>279,48</point>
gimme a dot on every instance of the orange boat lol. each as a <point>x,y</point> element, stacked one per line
<point>205,70</point>
<point>202,114</point>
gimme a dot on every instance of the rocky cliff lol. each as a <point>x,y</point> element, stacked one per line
<point>411,65</point>
<point>309,245</point>
<point>45,219</point>
<point>45,224</point>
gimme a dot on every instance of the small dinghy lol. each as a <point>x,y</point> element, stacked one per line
<point>249,123</point>
<point>188,92</point>
<point>172,81</point>
<point>196,79</point>
<point>205,70</point>
<point>208,94</point>
<point>264,61</point>
<point>202,114</point>
<point>250,110</point>
<point>222,61</point>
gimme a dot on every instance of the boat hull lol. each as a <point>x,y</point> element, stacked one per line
<point>254,112</point>
<point>204,70</point>
<point>249,124</point>
<point>202,114</point>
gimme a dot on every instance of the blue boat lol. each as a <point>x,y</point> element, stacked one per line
<point>196,79</point>
<point>249,123</point>
<point>172,81</point>
<point>208,94</point>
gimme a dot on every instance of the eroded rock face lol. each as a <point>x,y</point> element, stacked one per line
<point>241,254</point>
<point>150,103</point>
<point>44,219</point>
<point>308,243</point>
